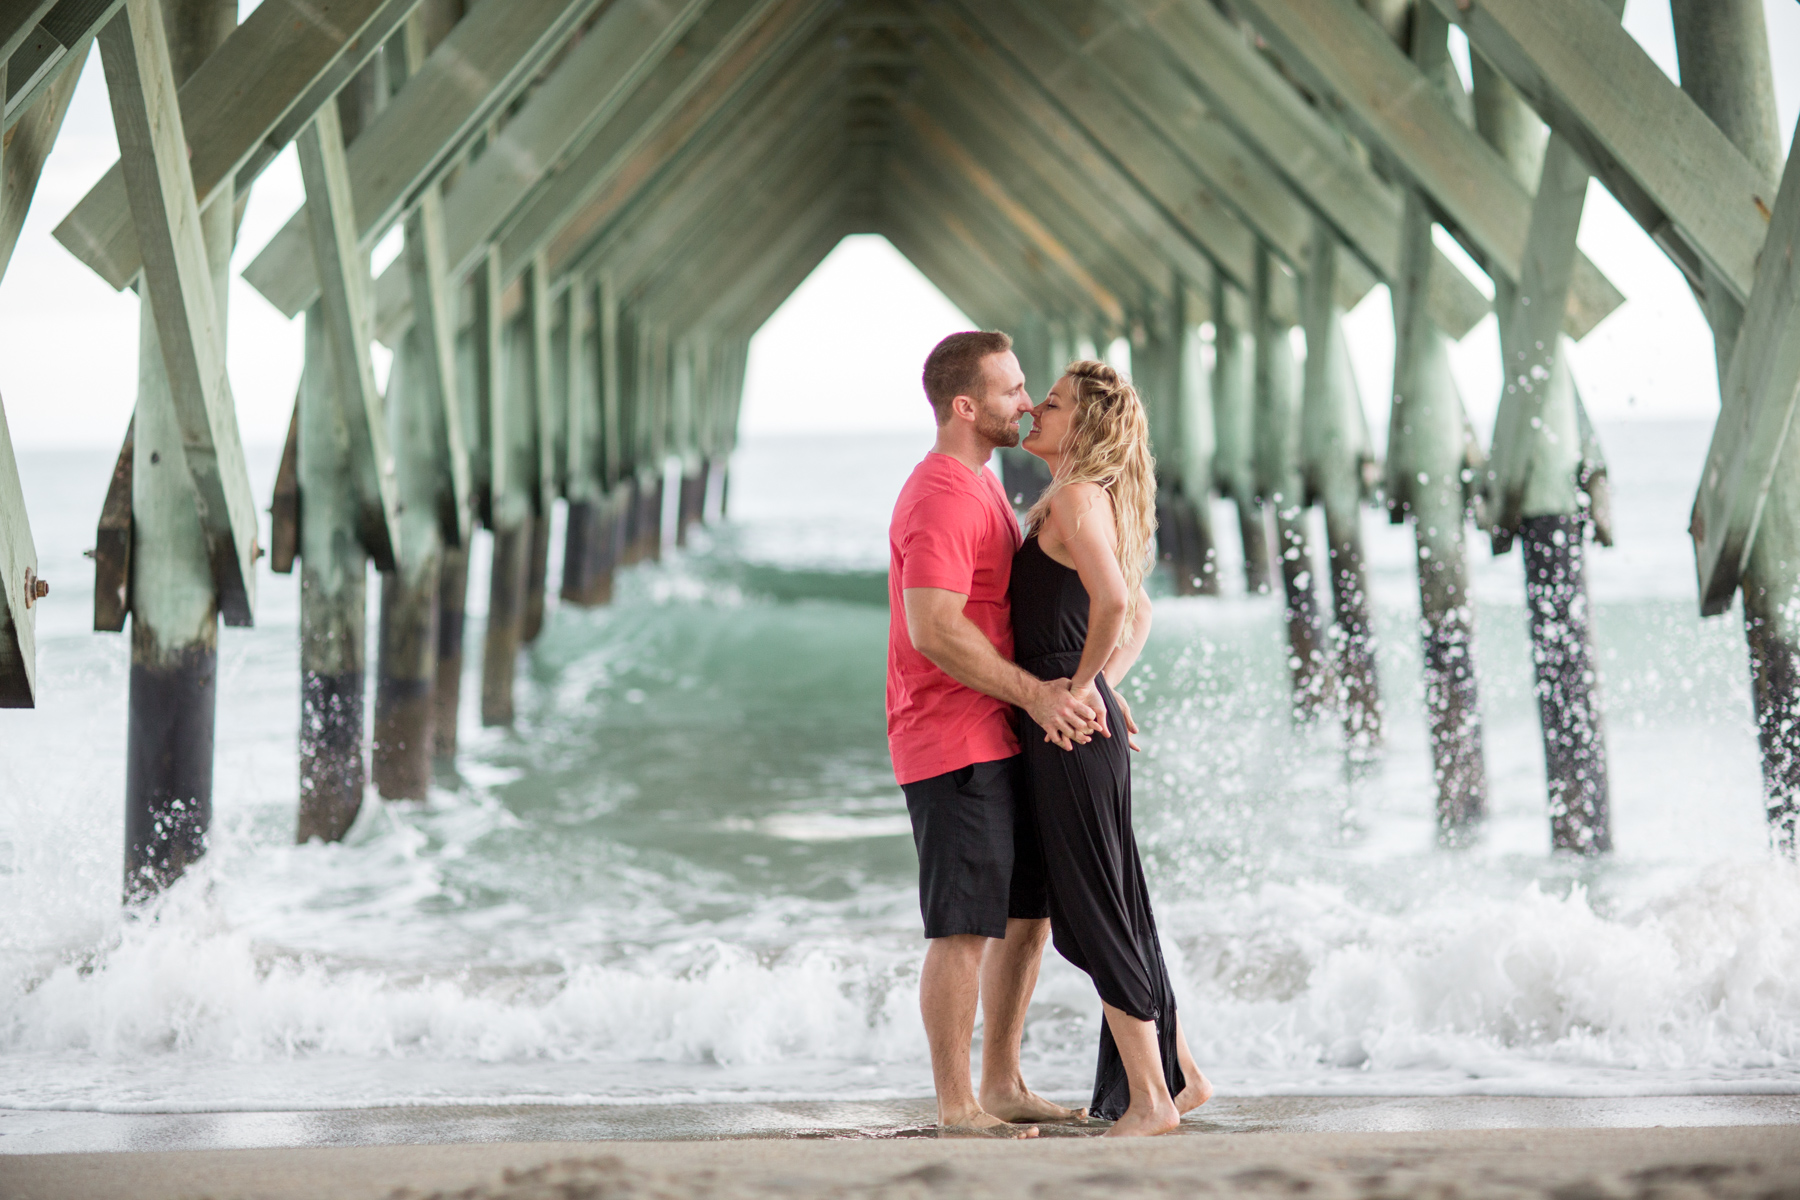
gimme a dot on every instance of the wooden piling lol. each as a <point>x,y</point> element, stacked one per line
<point>407,653</point>
<point>1427,459</point>
<point>1280,488</point>
<point>333,575</point>
<point>1334,453</point>
<point>173,694</point>
<point>453,591</point>
<point>537,575</point>
<point>1723,47</point>
<point>1234,420</point>
<point>505,620</point>
<point>1562,655</point>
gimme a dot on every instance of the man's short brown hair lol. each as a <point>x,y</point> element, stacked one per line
<point>953,368</point>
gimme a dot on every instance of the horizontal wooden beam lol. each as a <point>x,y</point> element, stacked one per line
<point>488,57</point>
<point>245,102</point>
<point>1642,136</point>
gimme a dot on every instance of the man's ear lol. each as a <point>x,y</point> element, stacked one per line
<point>964,407</point>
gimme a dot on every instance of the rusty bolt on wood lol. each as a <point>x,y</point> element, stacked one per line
<point>35,589</point>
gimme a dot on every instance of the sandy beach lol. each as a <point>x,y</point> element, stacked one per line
<point>1756,1162</point>
<point>1656,1148</point>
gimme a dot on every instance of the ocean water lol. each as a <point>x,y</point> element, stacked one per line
<point>686,874</point>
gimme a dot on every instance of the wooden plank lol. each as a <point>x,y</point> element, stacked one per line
<point>1298,141</point>
<point>26,151</point>
<point>58,42</point>
<point>586,88</point>
<point>488,57</point>
<point>1757,400</point>
<point>18,585</point>
<point>1015,211</point>
<point>17,20</point>
<point>343,302</point>
<point>1652,146</point>
<point>284,506</point>
<point>244,103</point>
<point>612,456</point>
<point>178,287</point>
<point>1338,49</point>
<point>112,543</point>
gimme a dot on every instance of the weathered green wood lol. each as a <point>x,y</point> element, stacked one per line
<point>1337,467</point>
<point>1234,424</point>
<point>58,42</point>
<point>708,69</point>
<point>432,320</point>
<point>489,56</point>
<point>112,543</point>
<point>238,110</point>
<point>17,21</point>
<point>1245,89</point>
<point>27,148</point>
<point>589,86</point>
<point>626,160</point>
<point>18,585</point>
<point>343,305</point>
<point>1757,397</point>
<point>1336,47</point>
<point>1680,178</point>
<point>179,290</point>
<point>543,390</point>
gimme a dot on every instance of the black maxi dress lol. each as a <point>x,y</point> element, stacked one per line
<point>1100,916</point>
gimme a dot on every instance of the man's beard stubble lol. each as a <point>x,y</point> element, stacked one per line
<point>995,428</point>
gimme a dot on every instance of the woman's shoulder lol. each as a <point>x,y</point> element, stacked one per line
<point>1073,501</point>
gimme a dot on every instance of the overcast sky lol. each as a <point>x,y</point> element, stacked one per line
<point>842,354</point>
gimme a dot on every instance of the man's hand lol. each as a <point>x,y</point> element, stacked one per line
<point>1090,696</point>
<point>1064,719</point>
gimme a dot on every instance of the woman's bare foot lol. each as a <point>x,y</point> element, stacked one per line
<point>980,1123</point>
<point>1197,1092</point>
<point>1146,1120</point>
<point>1025,1105</point>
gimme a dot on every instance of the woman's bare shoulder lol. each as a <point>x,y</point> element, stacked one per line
<point>1074,505</point>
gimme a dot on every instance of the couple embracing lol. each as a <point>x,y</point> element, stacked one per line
<point>1011,743</point>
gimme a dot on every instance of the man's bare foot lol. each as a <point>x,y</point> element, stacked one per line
<point>978,1123</point>
<point>1146,1120</point>
<point>1197,1092</point>
<point>1024,1105</point>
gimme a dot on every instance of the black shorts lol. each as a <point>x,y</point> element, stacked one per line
<point>979,857</point>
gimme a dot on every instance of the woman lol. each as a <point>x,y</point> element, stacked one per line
<point>1079,611</point>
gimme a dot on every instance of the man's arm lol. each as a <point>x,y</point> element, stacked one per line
<point>939,630</point>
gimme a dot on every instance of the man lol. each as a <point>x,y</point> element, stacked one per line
<point>950,695</point>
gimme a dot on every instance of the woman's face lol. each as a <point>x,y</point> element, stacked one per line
<point>1050,421</point>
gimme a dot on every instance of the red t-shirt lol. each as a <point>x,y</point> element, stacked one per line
<point>952,529</point>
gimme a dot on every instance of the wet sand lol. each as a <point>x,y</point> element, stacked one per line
<point>1647,1148</point>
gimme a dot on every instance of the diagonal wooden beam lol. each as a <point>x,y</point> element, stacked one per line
<point>246,101</point>
<point>17,20</point>
<point>26,151</point>
<point>1342,52</point>
<point>1642,136</point>
<point>343,302</point>
<point>18,585</point>
<point>1757,398</point>
<point>60,40</point>
<point>1301,142</point>
<point>488,57</point>
<point>178,287</point>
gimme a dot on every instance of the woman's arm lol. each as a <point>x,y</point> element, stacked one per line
<point>1126,655</point>
<point>1083,517</point>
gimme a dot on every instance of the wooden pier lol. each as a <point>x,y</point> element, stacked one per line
<point>601,201</point>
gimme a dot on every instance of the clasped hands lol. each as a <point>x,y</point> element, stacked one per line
<point>1070,715</point>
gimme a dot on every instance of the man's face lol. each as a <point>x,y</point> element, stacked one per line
<point>997,414</point>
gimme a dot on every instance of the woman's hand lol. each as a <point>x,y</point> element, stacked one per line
<point>1130,725</point>
<point>1089,694</point>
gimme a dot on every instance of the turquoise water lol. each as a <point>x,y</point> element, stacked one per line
<point>686,873</point>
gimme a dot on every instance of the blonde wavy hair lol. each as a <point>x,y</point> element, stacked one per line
<point>1107,442</point>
